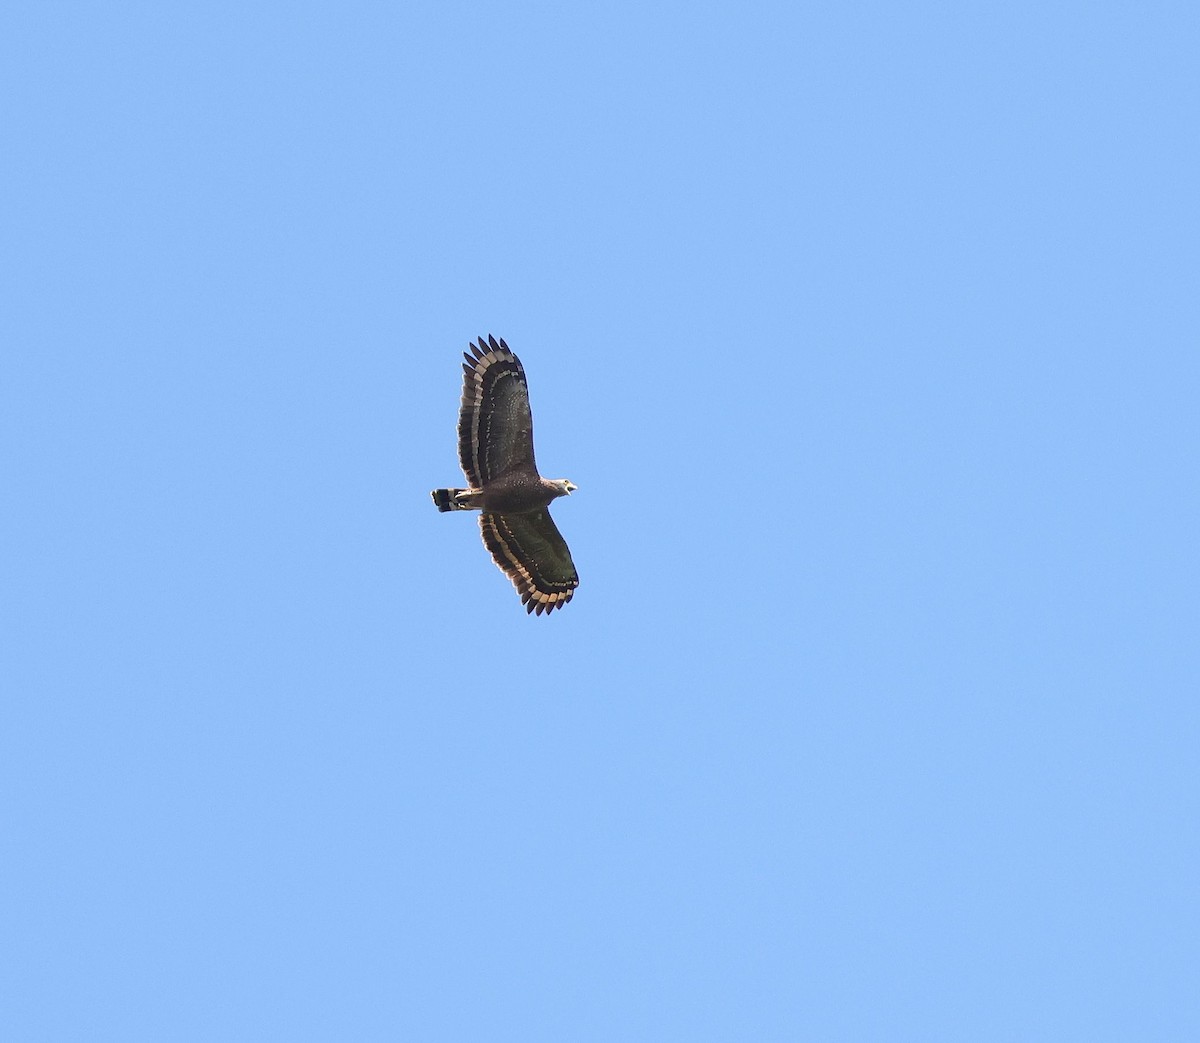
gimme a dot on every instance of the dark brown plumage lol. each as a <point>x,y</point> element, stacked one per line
<point>495,450</point>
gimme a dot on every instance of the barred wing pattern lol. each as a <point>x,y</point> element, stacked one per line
<point>532,553</point>
<point>495,426</point>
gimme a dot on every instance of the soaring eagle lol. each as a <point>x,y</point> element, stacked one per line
<point>495,449</point>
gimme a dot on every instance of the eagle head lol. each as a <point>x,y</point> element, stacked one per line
<point>564,486</point>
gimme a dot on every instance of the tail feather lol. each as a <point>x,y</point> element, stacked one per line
<point>444,499</point>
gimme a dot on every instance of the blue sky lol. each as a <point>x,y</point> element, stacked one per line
<point>869,333</point>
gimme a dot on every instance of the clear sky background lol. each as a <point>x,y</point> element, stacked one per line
<point>870,334</point>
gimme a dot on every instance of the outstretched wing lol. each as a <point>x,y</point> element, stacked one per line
<point>531,551</point>
<point>495,427</point>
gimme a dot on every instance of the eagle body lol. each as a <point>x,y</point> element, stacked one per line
<point>495,450</point>
<point>517,492</point>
